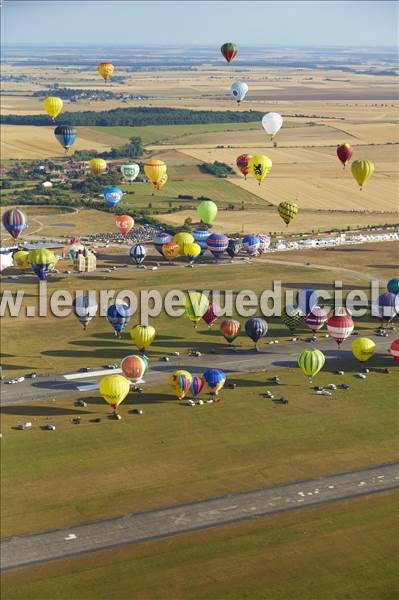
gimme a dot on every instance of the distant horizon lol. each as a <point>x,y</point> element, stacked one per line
<point>192,45</point>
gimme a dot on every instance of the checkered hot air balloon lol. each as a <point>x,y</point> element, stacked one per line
<point>287,211</point>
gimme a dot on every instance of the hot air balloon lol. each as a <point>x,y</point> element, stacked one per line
<point>242,162</point>
<point>98,166</point>
<point>239,90</point>
<point>311,362</point>
<point>191,251</point>
<point>138,253</point>
<point>53,106</point>
<point>207,211</point>
<point>229,51</point>
<point>395,350</point>
<point>196,306</point>
<point>15,221</point>
<point>160,239</point>
<point>65,135</point>
<point>292,317</point>
<point>362,170</point>
<point>215,379</point>
<point>200,236</point>
<point>112,196</point>
<point>212,314</point>
<point>170,250</point>
<point>233,247</point>
<point>256,328</point>
<point>118,316</point>
<point>154,170</point>
<point>250,244</point>
<point>230,329</point>
<point>217,244</point>
<point>114,389</point>
<point>163,181</point>
<point>130,171</point>
<point>387,307</point>
<point>363,348</point>
<point>143,336</point>
<point>287,211</point>
<point>180,382</point>
<point>272,123</point>
<point>20,259</point>
<point>197,385</point>
<point>134,367</point>
<point>105,69</point>
<point>307,300</point>
<point>124,223</point>
<point>84,308</point>
<point>260,166</point>
<point>265,241</point>
<point>42,262</point>
<point>393,285</point>
<point>340,327</point>
<point>317,318</point>
<point>344,153</point>
<point>6,260</point>
<point>182,238</point>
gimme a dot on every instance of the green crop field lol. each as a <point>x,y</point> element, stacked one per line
<point>344,550</point>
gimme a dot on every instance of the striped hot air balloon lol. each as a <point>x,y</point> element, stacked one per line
<point>256,328</point>
<point>138,253</point>
<point>311,362</point>
<point>14,221</point>
<point>250,244</point>
<point>230,329</point>
<point>160,239</point>
<point>197,385</point>
<point>217,244</point>
<point>118,316</point>
<point>317,318</point>
<point>65,135</point>
<point>143,336</point>
<point>200,236</point>
<point>180,382</point>
<point>395,350</point>
<point>340,326</point>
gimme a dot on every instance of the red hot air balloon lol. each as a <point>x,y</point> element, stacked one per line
<point>317,318</point>
<point>344,153</point>
<point>242,163</point>
<point>230,329</point>
<point>395,350</point>
<point>340,327</point>
<point>212,314</point>
<point>229,51</point>
<point>124,223</point>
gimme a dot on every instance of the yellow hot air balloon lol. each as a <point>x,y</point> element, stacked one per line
<point>260,166</point>
<point>191,250</point>
<point>143,336</point>
<point>20,259</point>
<point>363,348</point>
<point>162,182</point>
<point>180,381</point>
<point>98,166</point>
<point>105,69</point>
<point>182,238</point>
<point>155,170</point>
<point>196,306</point>
<point>362,170</point>
<point>53,106</point>
<point>114,389</point>
<point>287,211</point>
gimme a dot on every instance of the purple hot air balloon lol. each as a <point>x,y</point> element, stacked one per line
<point>217,244</point>
<point>344,153</point>
<point>212,314</point>
<point>316,318</point>
<point>14,221</point>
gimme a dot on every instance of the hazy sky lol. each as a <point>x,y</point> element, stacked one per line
<point>113,22</point>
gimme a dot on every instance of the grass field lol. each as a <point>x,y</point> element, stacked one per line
<point>339,551</point>
<point>173,454</point>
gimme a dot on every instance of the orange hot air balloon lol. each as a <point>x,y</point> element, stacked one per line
<point>124,223</point>
<point>242,163</point>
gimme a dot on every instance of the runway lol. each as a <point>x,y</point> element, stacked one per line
<point>38,548</point>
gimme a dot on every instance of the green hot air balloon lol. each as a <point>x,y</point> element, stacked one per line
<point>207,211</point>
<point>311,362</point>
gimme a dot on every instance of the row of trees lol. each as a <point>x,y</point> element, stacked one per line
<point>217,168</point>
<point>138,117</point>
<point>133,149</point>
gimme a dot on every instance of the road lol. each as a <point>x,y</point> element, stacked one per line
<point>239,362</point>
<point>140,527</point>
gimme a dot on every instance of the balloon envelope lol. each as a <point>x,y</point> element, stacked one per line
<point>395,350</point>
<point>215,379</point>
<point>170,250</point>
<point>260,166</point>
<point>311,362</point>
<point>363,348</point>
<point>42,262</point>
<point>207,211</point>
<point>118,316</point>
<point>230,328</point>
<point>197,385</point>
<point>272,123</point>
<point>212,314</point>
<point>217,244</point>
<point>138,253</point>
<point>84,308</point>
<point>250,244</point>
<point>307,300</point>
<point>155,170</point>
<point>229,51</point>
<point>239,90</point>
<point>65,135</point>
<point>340,327</point>
<point>196,306</point>
<point>180,381</point>
<point>114,389</point>
<point>105,69</point>
<point>242,162</point>
<point>143,336</point>
<point>98,166</point>
<point>256,328</point>
<point>362,170</point>
<point>317,318</point>
<point>344,153</point>
<point>15,221</point>
<point>160,239</point>
<point>130,171</point>
<point>287,211</point>
<point>112,196</point>
<point>393,285</point>
<point>134,367</point>
<point>53,106</point>
<point>124,223</point>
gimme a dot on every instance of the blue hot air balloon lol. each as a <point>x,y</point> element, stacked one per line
<point>239,90</point>
<point>200,237</point>
<point>250,244</point>
<point>15,221</point>
<point>112,196</point>
<point>214,379</point>
<point>118,315</point>
<point>65,135</point>
<point>256,328</point>
<point>217,244</point>
<point>387,306</point>
<point>307,300</point>
<point>197,385</point>
<point>160,239</point>
<point>138,253</point>
<point>393,285</point>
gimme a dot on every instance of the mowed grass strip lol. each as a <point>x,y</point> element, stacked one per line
<point>335,551</point>
<point>174,454</point>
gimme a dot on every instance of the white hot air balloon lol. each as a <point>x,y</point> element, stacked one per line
<point>239,90</point>
<point>5,260</point>
<point>272,123</point>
